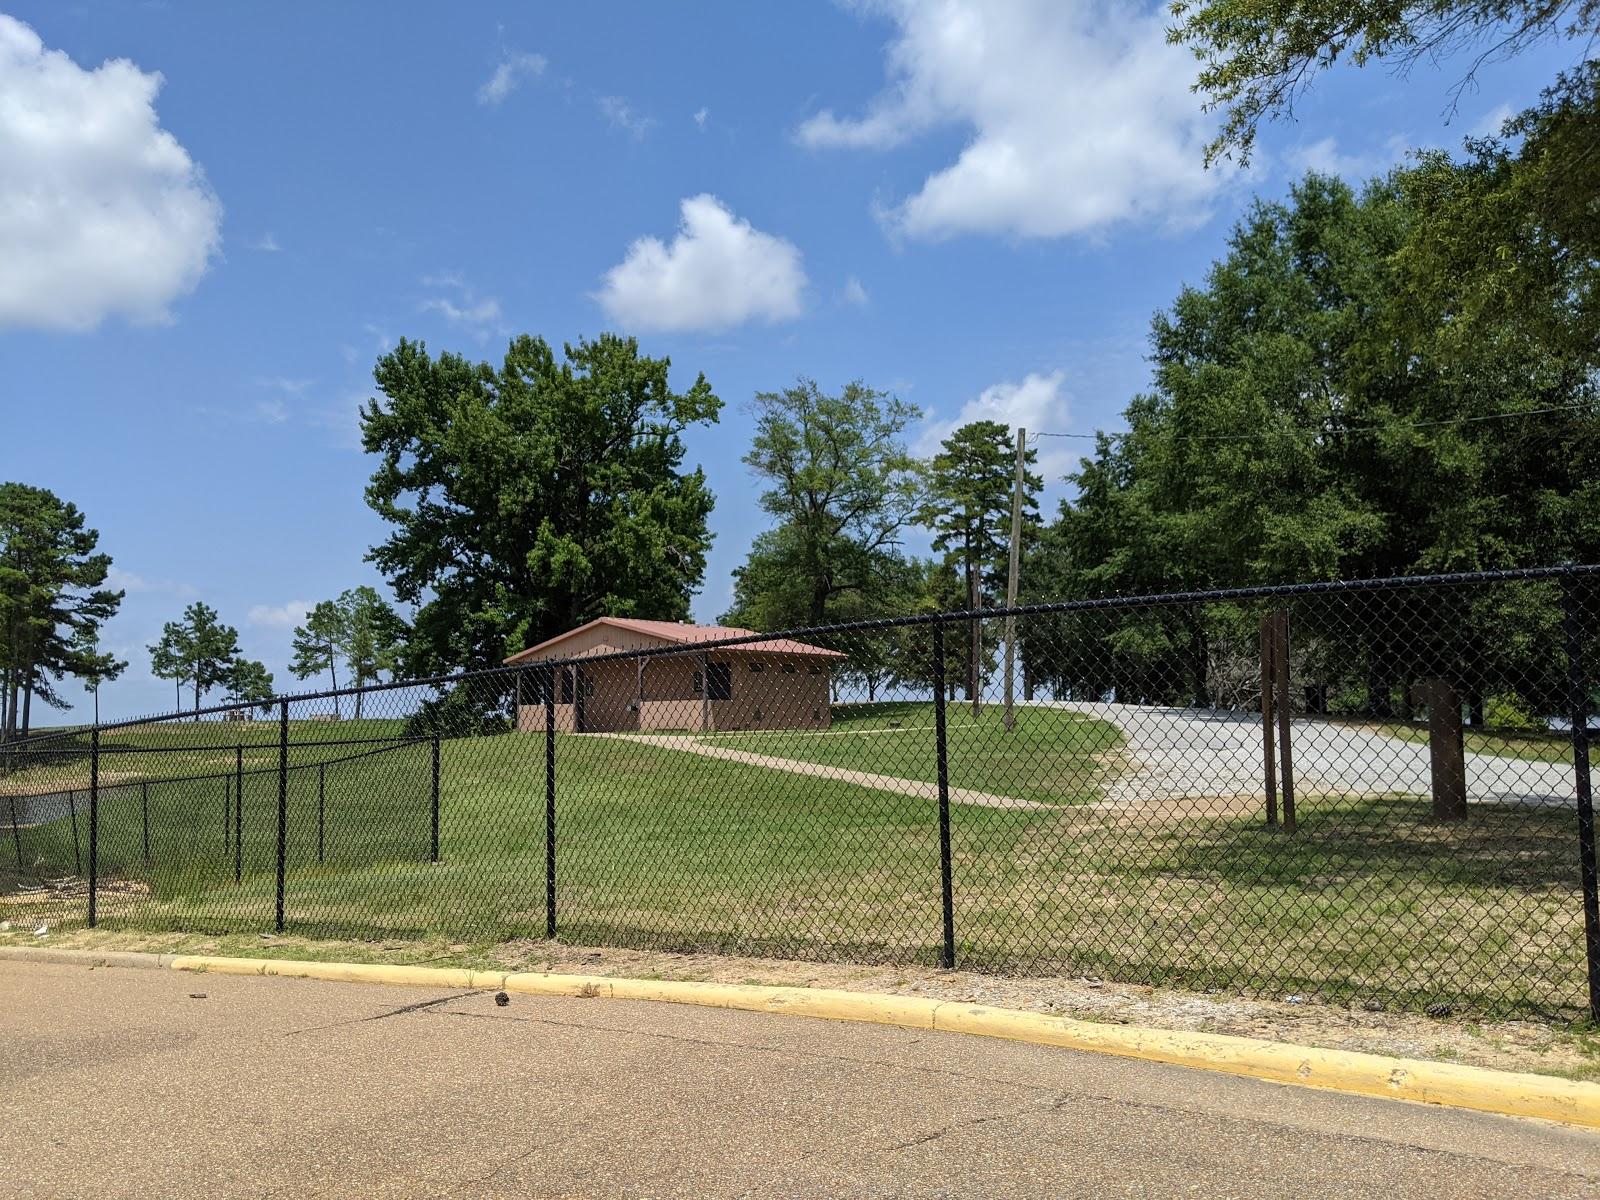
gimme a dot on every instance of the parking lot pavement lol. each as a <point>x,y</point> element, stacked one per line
<point>123,1083</point>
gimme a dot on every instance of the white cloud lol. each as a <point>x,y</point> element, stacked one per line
<point>1081,118</point>
<point>134,584</point>
<point>479,315</point>
<point>622,116</point>
<point>1039,403</point>
<point>267,243</point>
<point>513,70</point>
<point>101,210</point>
<point>1489,124</point>
<point>700,115</point>
<point>280,616</point>
<point>1325,156</point>
<point>718,272</point>
<point>854,294</point>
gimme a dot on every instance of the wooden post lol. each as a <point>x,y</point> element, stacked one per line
<point>1447,758</point>
<point>1011,578</point>
<point>975,639</point>
<point>705,694</point>
<point>1269,674</point>
<point>1284,712</point>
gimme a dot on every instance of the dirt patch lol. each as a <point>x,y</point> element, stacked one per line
<point>1503,1045</point>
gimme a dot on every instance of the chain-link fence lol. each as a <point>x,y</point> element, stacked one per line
<point>1371,792</point>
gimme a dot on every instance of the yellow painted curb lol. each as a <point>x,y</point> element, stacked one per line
<point>1504,1092</point>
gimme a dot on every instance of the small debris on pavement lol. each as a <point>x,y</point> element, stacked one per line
<point>197,995</point>
<point>502,999</point>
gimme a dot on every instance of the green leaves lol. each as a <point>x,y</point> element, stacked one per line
<point>53,600</point>
<point>529,498</point>
<point>842,486</point>
<point>198,650</point>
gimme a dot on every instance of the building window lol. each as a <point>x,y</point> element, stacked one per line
<point>719,681</point>
<point>788,668</point>
<point>756,668</point>
<point>814,669</point>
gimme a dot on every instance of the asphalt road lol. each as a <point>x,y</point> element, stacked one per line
<point>120,1082</point>
<point>1189,752</point>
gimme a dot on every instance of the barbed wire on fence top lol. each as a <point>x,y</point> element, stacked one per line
<point>1369,792</point>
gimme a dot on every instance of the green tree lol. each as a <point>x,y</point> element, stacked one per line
<point>1304,424</point>
<point>842,487</point>
<point>1258,58</point>
<point>529,498</point>
<point>53,601</point>
<point>95,667</point>
<point>249,684</point>
<point>198,650</point>
<point>374,637</point>
<point>358,628</point>
<point>971,484</point>
<point>317,644</point>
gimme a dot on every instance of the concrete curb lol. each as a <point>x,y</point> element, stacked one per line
<point>1502,1092</point>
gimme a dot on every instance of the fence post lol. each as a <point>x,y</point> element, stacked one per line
<point>283,801</point>
<point>144,817</point>
<point>94,821</point>
<point>227,816</point>
<point>16,834</point>
<point>77,856</point>
<point>1269,687</point>
<point>550,803</point>
<point>433,845</point>
<point>1578,694</point>
<point>947,955</point>
<point>1285,717</point>
<point>322,791</point>
<point>238,814</point>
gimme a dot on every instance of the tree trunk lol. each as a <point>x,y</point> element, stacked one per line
<point>27,706</point>
<point>197,695</point>
<point>333,674</point>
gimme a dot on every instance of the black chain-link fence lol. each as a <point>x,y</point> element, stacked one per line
<point>1372,792</point>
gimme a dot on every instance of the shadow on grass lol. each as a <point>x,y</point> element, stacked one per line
<point>1340,841</point>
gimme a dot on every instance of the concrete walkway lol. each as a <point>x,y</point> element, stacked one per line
<point>1176,753</point>
<point>921,789</point>
<point>134,1083</point>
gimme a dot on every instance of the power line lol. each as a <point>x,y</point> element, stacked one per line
<point>1322,429</point>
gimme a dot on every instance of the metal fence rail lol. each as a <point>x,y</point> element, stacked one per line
<point>1372,791</point>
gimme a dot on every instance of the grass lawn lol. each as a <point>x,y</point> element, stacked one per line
<point>1051,756</point>
<point>660,848</point>
<point>1529,747</point>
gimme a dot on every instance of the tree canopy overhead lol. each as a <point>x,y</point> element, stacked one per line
<point>530,497</point>
<point>1259,56</point>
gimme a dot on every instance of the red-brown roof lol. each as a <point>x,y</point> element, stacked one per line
<point>683,633</point>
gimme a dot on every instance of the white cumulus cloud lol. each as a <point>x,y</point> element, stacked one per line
<point>101,210</point>
<point>1080,114</point>
<point>1038,403</point>
<point>280,616</point>
<point>719,271</point>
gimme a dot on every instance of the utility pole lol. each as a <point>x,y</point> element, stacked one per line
<point>1011,579</point>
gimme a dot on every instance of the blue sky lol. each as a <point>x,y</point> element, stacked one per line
<point>976,205</point>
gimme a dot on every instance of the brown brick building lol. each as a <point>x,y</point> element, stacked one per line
<point>773,684</point>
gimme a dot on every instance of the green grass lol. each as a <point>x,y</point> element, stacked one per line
<point>659,848</point>
<point>1529,747</point>
<point>1051,757</point>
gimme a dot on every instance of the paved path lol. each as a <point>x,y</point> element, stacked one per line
<point>919,788</point>
<point>122,1083</point>
<point>1194,752</point>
